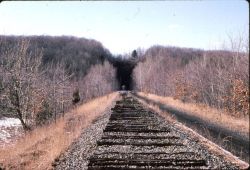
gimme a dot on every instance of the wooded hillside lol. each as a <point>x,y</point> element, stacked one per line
<point>77,54</point>
<point>216,78</point>
<point>43,77</point>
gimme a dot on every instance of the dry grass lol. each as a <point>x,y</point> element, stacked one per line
<point>210,146</point>
<point>205,112</point>
<point>39,148</point>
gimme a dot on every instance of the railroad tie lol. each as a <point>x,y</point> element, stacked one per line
<point>134,138</point>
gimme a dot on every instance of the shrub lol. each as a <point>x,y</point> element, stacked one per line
<point>44,115</point>
<point>76,97</point>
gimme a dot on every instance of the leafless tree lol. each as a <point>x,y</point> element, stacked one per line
<point>217,78</point>
<point>99,81</point>
<point>21,72</point>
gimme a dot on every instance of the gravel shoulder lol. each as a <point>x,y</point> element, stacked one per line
<point>217,156</point>
<point>229,140</point>
<point>76,156</point>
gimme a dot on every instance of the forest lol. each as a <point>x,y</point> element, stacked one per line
<point>219,79</point>
<point>41,76</point>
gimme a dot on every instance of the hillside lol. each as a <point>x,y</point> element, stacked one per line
<point>78,54</point>
<point>41,77</point>
<point>215,78</point>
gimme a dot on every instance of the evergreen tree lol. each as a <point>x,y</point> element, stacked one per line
<point>134,54</point>
<point>76,97</point>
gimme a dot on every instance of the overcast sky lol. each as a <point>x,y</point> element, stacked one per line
<point>126,25</point>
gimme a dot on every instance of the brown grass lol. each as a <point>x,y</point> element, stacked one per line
<point>39,148</point>
<point>205,112</point>
<point>202,140</point>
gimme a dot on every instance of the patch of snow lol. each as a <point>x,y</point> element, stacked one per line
<point>9,129</point>
<point>9,122</point>
<point>4,135</point>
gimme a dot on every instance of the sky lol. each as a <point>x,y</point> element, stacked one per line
<point>122,26</point>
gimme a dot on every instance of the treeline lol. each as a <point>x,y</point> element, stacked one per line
<point>39,75</point>
<point>77,54</point>
<point>216,78</point>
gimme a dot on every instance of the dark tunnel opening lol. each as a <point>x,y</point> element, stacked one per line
<point>124,70</point>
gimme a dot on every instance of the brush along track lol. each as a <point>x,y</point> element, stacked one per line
<point>136,138</point>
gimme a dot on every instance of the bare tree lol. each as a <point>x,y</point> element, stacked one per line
<point>217,78</point>
<point>21,71</point>
<point>59,88</point>
<point>99,81</point>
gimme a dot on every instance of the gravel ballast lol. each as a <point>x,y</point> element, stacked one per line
<point>76,157</point>
<point>133,137</point>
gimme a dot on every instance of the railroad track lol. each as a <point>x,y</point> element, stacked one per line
<point>136,138</point>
